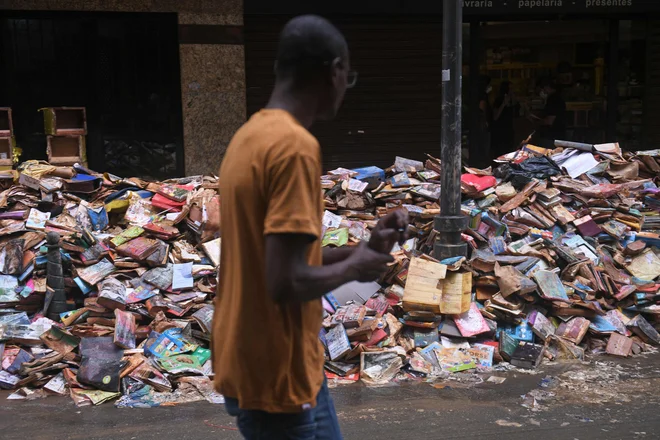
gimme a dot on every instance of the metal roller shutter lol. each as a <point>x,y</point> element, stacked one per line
<point>651,131</point>
<point>395,107</point>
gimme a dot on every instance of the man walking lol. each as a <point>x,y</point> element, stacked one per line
<point>268,361</point>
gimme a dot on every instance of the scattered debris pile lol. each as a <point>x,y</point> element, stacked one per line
<point>106,286</point>
<point>564,261</point>
<point>106,283</point>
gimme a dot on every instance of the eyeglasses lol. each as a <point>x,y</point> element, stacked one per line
<point>351,79</point>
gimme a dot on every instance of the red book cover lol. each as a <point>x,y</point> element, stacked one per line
<point>471,323</point>
<point>378,303</point>
<point>587,226</point>
<point>378,335</point>
<point>162,202</point>
<point>162,229</point>
<point>479,183</point>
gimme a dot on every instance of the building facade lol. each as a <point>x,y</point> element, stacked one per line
<point>159,77</point>
<point>603,54</point>
<point>167,83</point>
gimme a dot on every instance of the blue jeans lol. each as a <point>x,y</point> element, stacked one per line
<point>319,423</point>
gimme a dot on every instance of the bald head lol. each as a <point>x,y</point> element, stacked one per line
<point>307,46</point>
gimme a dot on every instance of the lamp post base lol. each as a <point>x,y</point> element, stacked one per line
<point>450,244</point>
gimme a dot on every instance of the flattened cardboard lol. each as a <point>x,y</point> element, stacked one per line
<point>456,293</point>
<point>422,291</point>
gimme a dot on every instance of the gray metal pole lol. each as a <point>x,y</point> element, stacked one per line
<point>450,223</point>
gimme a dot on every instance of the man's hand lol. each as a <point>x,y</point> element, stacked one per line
<point>390,229</point>
<point>368,264</point>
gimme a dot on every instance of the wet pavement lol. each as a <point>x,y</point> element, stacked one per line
<point>603,399</point>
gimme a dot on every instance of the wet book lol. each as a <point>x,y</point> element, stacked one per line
<point>127,235</point>
<point>95,273</point>
<point>338,344</point>
<point>124,329</point>
<point>350,316</point>
<point>527,355</point>
<point>174,192</point>
<point>574,330</point>
<point>204,318</point>
<point>94,254</point>
<point>139,248</point>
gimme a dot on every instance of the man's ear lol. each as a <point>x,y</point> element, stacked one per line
<point>335,67</point>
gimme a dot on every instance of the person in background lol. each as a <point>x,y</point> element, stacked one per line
<point>552,123</point>
<point>485,118</point>
<point>504,110</point>
<point>267,356</point>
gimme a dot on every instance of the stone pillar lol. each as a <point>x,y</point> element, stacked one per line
<point>212,89</point>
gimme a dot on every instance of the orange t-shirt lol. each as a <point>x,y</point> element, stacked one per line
<point>267,355</point>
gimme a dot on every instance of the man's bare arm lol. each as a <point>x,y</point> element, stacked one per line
<point>290,279</point>
<point>335,255</point>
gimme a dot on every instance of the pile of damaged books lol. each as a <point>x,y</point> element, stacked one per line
<point>106,286</point>
<point>564,262</point>
<point>106,283</point>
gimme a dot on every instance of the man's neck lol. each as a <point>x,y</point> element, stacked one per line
<point>300,104</point>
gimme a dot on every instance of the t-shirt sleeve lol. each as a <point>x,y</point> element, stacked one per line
<point>293,193</point>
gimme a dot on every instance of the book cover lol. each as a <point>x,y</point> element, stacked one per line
<point>338,344</point>
<point>574,330</point>
<point>37,219</point>
<point>139,248</point>
<point>178,193</point>
<point>527,355</point>
<point>472,322</point>
<point>124,336</point>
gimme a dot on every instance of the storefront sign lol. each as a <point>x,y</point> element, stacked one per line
<point>558,6</point>
<point>470,7</point>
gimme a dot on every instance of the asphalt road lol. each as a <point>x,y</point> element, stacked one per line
<point>604,400</point>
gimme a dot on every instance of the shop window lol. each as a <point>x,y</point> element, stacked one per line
<point>630,79</point>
